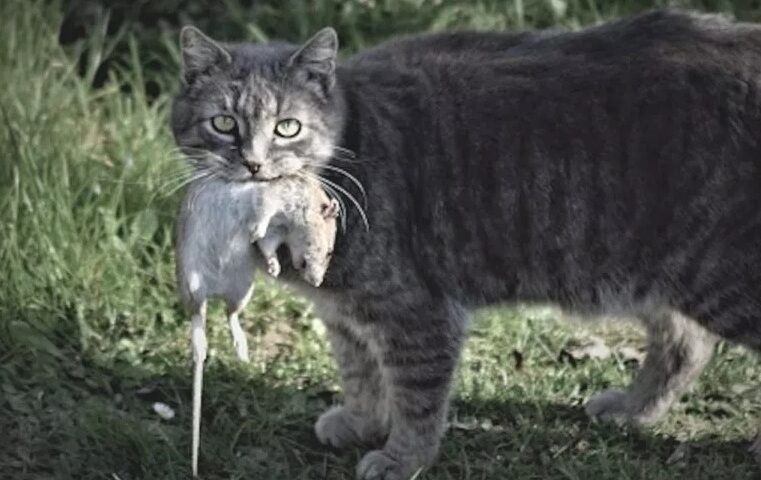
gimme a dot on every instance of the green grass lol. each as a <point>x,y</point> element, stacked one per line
<point>91,333</point>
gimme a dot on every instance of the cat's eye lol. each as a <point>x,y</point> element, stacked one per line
<point>288,128</point>
<point>224,124</point>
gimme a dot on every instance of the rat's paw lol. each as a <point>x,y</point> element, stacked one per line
<point>620,407</point>
<point>241,348</point>
<point>258,232</point>
<point>239,339</point>
<point>378,465</point>
<point>273,267</point>
<point>340,429</point>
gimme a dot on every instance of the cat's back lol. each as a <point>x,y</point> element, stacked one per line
<point>416,50</point>
<point>661,40</point>
<point>574,148</point>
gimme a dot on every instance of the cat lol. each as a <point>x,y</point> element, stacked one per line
<point>614,170</point>
<point>216,226</point>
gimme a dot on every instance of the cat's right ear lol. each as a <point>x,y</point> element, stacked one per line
<point>315,62</point>
<point>200,53</point>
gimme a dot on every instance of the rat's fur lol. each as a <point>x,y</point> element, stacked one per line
<point>215,228</point>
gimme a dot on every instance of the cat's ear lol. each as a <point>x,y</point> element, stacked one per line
<point>315,61</point>
<point>330,210</point>
<point>199,53</point>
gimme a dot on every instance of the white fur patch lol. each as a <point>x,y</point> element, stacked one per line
<point>194,282</point>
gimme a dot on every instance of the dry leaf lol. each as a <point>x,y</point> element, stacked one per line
<point>631,354</point>
<point>592,347</point>
<point>163,410</point>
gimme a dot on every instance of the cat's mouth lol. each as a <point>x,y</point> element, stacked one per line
<point>253,179</point>
<point>258,177</point>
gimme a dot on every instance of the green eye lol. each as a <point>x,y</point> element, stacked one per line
<point>290,127</point>
<point>224,124</point>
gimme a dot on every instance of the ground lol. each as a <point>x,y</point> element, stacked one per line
<point>91,333</point>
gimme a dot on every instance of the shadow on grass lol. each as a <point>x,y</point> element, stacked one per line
<point>65,415</point>
<point>546,440</point>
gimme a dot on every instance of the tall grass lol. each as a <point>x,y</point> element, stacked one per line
<point>83,187</point>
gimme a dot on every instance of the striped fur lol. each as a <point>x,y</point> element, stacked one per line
<point>613,170</point>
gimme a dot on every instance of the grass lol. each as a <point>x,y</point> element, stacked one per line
<point>91,334</point>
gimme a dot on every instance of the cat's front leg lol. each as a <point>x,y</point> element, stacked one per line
<point>363,417</point>
<point>418,347</point>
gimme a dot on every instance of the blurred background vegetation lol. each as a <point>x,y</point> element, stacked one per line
<point>91,333</point>
<point>360,23</point>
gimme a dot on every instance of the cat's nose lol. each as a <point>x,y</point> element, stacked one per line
<point>253,167</point>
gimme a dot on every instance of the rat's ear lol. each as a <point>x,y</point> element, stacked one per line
<point>199,53</point>
<point>330,210</point>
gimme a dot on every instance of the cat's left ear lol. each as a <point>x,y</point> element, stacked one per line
<point>200,53</point>
<point>330,210</point>
<point>315,62</point>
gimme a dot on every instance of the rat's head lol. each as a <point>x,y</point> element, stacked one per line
<point>312,248</point>
<point>257,112</point>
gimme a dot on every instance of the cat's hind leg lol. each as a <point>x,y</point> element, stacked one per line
<point>678,350</point>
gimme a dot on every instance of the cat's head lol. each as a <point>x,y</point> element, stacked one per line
<point>257,112</point>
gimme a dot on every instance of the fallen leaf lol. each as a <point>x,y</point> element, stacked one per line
<point>585,348</point>
<point>163,410</point>
<point>632,355</point>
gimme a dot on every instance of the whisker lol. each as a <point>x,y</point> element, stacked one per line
<point>345,155</point>
<point>350,177</point>
<point>344,150</point>
<point>204,181</point>
<point>351,199</point>
<point>341,204</point>
<point>331,193</point>
<point>200,176</point>
<point>182,173</point>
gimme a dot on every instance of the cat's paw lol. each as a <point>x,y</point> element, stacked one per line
<point>379,465</point>
<point>620,407</point>
<point>340,428</point>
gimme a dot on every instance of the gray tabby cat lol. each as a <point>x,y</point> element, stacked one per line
<point>616,170</point>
